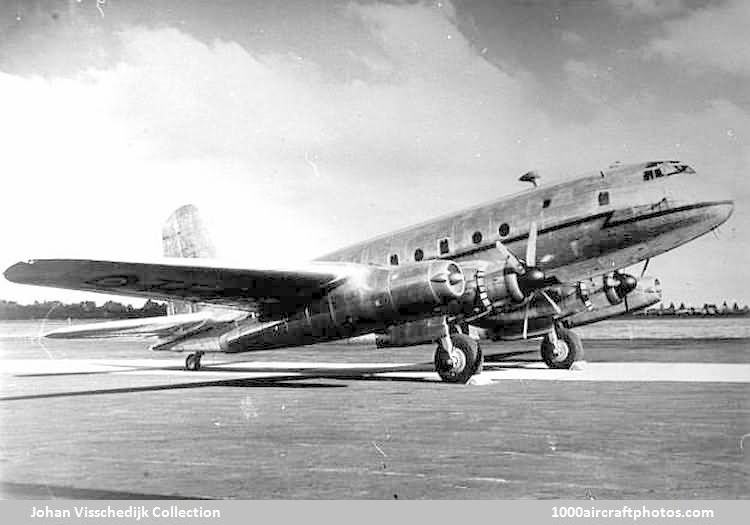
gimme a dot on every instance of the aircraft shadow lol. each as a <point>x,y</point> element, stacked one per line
<point>511,356</point>
<point>90,373</point>
<point>10,490</point>
<point>261,382</point>
<point>493,361</point>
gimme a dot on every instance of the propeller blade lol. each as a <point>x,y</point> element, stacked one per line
<point>531,245</point>
<point>643,272</point>
<point>627,306</point>
<point>509,258</point>
<point>526,321</point>
<point>551,302</point>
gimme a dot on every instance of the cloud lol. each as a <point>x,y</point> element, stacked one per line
<point>290,162</point>
<point>177,119</point>
<point>647,8</point>
<point>589,81</point>
<point>571,38</point>
<point>708,39</point>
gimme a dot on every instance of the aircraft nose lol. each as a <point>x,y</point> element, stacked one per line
<point>721,211</point>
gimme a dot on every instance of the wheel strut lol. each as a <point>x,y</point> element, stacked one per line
<point>561,347</point>
<point>457,356</point>
<point>552,335</point>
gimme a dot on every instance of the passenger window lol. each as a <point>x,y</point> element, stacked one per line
<point>603,198</point>
<point>418,254</point>
<point>394,259</point>
<point>546,203</point>
<point>504,229</point>
<point>444,247</point>
<point>658,172</point>
<point>477,237</point>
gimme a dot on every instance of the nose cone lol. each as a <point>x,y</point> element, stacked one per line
<point>721,211</point>
<point>706,194</point>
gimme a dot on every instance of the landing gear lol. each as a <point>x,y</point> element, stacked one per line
<point>193,361</point>
<point>457,358</point>
<point>561,348</point>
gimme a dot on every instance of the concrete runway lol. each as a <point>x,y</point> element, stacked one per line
<point>639,419</point>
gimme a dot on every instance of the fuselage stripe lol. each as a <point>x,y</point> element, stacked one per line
<point>608,223</point>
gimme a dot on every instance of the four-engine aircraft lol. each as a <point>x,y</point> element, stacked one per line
<point>534,264</point>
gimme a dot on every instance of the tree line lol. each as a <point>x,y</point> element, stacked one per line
<point>10,310</point>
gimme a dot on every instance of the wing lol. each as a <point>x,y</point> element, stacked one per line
<point>161,326</point>
<point>279,291</point>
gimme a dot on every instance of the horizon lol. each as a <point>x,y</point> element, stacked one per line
<point>138,302</point>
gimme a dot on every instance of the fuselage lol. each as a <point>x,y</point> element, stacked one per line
<point>590,226</point>
<point>597,223</point>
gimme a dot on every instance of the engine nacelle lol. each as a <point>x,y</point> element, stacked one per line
<point>647,293</point>
<point>585,303</point>
<point>411,333</point>
<point>400,293</point>
<point>508,284</point>
<point>370,298</point>
<point>418,288</point>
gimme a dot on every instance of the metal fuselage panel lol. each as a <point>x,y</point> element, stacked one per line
<point>578,237</point>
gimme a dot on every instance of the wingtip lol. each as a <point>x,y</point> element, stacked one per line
<point>14,272</point>
<point>22,272</point>
<point>56,334</point>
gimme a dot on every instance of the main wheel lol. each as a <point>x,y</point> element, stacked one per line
<point>462,362</point>
<point>568,349</point>
<point>193,362</point>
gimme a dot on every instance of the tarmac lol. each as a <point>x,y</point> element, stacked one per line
<point>640,419</point>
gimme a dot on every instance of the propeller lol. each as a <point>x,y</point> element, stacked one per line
<point>525,280</point>
<point>643,272</point>
<point>627,284</point>
<point>528,304</point>
<point>533,280</point>
<point>645,266</point>
<point>617,286</point>
<point>531,245</point>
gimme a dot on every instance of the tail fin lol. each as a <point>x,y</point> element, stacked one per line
<point>184,235</point>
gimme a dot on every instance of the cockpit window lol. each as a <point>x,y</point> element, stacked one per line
<point>665,169</point>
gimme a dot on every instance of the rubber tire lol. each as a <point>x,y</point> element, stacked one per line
<point>192,363</point>
<point>473,360</point>
<point>575,349</point>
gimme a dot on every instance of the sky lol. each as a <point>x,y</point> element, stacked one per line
<point>302,127</point>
